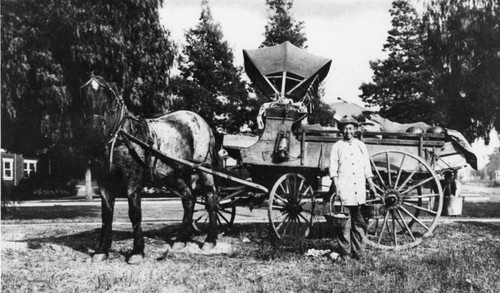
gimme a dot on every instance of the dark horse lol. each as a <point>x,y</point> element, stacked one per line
<point>123,167</point>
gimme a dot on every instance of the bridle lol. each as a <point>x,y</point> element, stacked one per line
<point>120,108</point>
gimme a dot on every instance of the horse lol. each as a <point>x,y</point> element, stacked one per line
<point>124,167</point>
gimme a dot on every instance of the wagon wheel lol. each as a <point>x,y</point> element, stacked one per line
<point>225,214</point>
<point>291,206</point>
<point>409,200</point>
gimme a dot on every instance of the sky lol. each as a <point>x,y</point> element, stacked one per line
<point>350,32</point>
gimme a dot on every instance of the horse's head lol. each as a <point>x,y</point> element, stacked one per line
<point>103,110</point>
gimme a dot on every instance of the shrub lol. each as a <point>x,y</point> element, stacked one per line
<point>44,186</point>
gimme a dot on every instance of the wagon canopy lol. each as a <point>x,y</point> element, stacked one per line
<point>285,69</point>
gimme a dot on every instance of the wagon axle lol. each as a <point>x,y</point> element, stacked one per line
<point>293,210</point>
<point>391,199</point>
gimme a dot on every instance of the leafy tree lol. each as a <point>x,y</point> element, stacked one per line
<point>210,84</point>
<point>402,86</point>
<point>50,48</point>
<point>443,68</point>
<point>463,45</point>
<point>283,27</point>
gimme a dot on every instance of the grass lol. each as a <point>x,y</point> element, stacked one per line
<point>461,257</point>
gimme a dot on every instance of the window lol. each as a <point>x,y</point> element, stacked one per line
<point>29,167</point>
<point>8,169</point>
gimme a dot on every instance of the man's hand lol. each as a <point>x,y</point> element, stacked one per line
<point>332,190</point>
<point>373,191</point>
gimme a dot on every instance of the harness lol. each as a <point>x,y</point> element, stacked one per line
<point>118,132</point>
<point>145,163</point>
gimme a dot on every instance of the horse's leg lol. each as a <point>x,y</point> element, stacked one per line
<point>106,237</point>
<point>135,215</point>
<point>211,200</point>
<point>188,201</point>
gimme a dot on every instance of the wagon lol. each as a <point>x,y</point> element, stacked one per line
<point>291,158</point>
<point>286,166</point>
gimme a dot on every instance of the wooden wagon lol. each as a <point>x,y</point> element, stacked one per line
<point>291,159</point>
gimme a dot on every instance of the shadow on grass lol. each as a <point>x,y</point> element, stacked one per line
<point>254,239</point>
<point>86,241</point>
<point>493,228</point>
<point>481,210</point>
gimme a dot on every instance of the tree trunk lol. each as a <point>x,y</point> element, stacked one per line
<point>88,184</point>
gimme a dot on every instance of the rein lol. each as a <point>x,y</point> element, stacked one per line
<point>116,132</point>
<point>122,133</point>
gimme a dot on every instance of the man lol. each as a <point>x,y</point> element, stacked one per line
<point>350,169</point>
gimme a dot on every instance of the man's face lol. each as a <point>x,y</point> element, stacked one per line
<point>349,131</point>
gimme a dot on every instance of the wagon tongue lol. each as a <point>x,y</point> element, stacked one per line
<point>284,69</point>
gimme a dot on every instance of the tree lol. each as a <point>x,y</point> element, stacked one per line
<point>210,84</point>
<point>283,27</point>
<point>50,48</point>
<point>402,86</point>
<point>443,68</point>
<point>463,45</point>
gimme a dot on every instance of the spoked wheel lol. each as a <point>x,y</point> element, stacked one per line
<point>291,207</point>
<point>225,214</point>
<point>408,202</point>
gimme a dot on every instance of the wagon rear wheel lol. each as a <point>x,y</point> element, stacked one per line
<point>408,202</point>
<point>226,213</point>
<point>291,207</point>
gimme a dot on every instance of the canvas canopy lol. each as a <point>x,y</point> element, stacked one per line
<point>284,69</point>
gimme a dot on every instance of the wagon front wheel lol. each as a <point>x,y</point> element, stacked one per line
<point>291,207</point>
<point>408,202</point>
<point>226,212</point>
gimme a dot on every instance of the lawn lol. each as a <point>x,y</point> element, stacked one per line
<point>460,257</point>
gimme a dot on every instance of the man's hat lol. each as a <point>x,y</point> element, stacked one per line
<point>347,120</point>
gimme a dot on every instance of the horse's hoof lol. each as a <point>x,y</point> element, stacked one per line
<point>135,259</point>
<point>178,245</point>
<point>99,257</point>
<point>207,246</point>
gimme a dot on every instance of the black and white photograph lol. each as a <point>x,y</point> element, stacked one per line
<point>250,145</point>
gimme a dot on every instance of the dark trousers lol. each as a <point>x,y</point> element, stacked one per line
<point>352,237</point>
